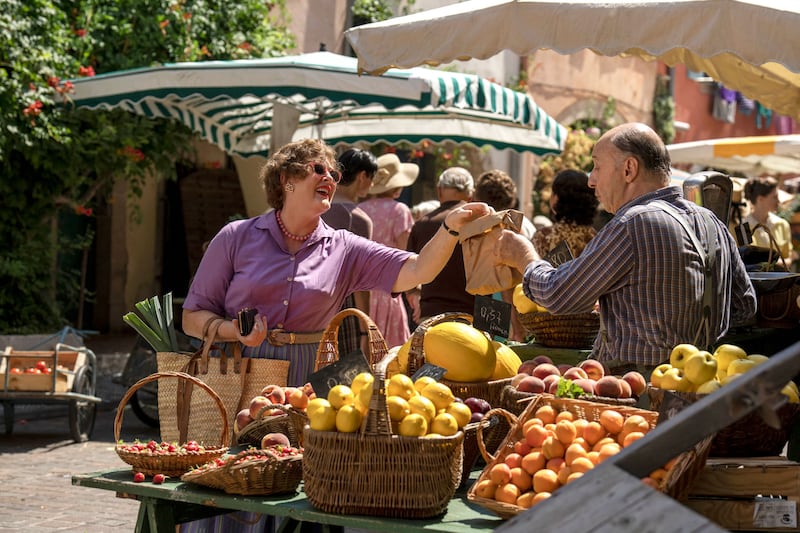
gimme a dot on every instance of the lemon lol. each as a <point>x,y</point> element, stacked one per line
<point>440,394</point>
<point>341,395</point>
<point>361,381</point>
<point>422,406</point>
<point>348,419</point>
<point>398,408</point>
<point>460,412</point>
<point>444,424</point>
<point>315,404</point>
<point>323,417</point>
<point>364,395</point>
<point>423,382</point>
<point>401,385</point>
<point>413,425</point>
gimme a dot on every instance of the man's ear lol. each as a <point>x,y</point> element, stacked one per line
<point>630,168</point>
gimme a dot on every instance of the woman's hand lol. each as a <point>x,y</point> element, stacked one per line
<point>256,335</point>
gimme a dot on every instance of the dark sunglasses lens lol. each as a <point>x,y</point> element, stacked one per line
<point>321,170</point>
<point>336,175</point>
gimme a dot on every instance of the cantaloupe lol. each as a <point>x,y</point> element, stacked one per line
<point>466,353</point>
<point>508,362</point>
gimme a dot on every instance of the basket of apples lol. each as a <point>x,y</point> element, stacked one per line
<point>691,373</point>
<point>276,410</point>
<point>169,458</point>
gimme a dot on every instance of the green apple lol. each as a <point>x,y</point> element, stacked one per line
<point>708,387</point>
<point>680,353</point>
<point>725,353</point>
<point>758,358</point>
<point>791,393</point>
<point>657,374</point>
<point>740,366</point>
<point>675,380</point>
<point>700,367</point>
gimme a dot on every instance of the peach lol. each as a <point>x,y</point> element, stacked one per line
<point>257,406</point>
<point>552,388</point>
<point>548,380</point>
<point>631,437</point>
<point>525,499</point>
<point>521,447</point>
<point>527,367</point>
<point>658,474</point>
<point>541,358</point>
<point>625,389</point>
<point>555,464</point>
<point>545,481</point>
<point>500,474</point>
<point>563,367</point>
<point>602,442</point>
<point>593,368</point>
<point>275,394</point>
<point>507,493</point>
<point>566,432</point>
<point>608,386</point>
<point>609,450</point>
<point>533,462</point>
<point>545,369</point>
<point>513,460</point>
<point>297,398</point>
<point>531,384</point>
<point>573,476</point>
<point>586,384</point>
<point>535,435</point>
<point>563,474</point>
<point>531,422</point>
<point>576,373</point>
<point>574,451</point>
<point>242,419</point>
<point>565,415</point>
<point>546,414</point>
<point>593,432</point>
<point>539,496</point>
<point>636,423</point>
<point>612,421</point>
<point>274,439</point>
<point>308,389</point>
<point>552,447</point>
<point>521,479</point>
<point>636,381</point>
<point>580,424</point>
<point>581,464</point>
<point>516,379</point>
<point>485,489</point>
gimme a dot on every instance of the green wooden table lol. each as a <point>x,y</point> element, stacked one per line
<point>174,502</point>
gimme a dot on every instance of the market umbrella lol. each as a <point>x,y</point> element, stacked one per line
<point>244,106</point>
<point>768,154</point>
<point>744,44</point>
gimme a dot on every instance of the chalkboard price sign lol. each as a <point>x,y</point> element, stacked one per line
<point>433,371</point>
<point>342,372</point>
<point>671,405</point>
<point>559,255</point>
<point>492,316</point>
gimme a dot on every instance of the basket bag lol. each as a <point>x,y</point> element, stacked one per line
<point>562,331</point>
<point>676,483</point>
<point>175,464</point>
<point>373,472</point>
<point>749,436</point>
<point>777,308</point>
<point>250,472</point>
<point>236,380</point>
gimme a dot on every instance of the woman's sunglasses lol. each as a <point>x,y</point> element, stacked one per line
<point>322,170</point>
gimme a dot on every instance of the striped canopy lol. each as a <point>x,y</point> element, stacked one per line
<point>243,106</point>
<point>768,154</point>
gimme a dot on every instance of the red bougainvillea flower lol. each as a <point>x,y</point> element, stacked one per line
<point>86,71</point>
<point>163,24</point>
<point>419,154</point>
<point>53,81</point>
<point>425,145</point>
<point>81,210</point>
<point>391,150</point>
<point>134,154</point>
<point>33,110</point>
<point>187,16</point>
<point>447,157</point>
<point>244,46</point>
<point>80,32</point>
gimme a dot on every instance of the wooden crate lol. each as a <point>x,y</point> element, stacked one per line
<point>748,494</point>
<point>64,365</point>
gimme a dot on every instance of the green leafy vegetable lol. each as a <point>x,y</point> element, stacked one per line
<point>158,326</point>
<point>568,389</point>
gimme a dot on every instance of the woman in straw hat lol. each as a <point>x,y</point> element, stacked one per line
<point>391,224</point>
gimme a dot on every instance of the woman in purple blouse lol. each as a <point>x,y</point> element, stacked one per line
<point>295,270</point>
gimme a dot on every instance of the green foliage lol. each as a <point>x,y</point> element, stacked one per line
<point>664,111</point>
<point>56,159</point>
<point>366,11</point>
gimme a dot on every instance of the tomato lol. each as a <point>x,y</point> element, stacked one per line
<point>42,365</point>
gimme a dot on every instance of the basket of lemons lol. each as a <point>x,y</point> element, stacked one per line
<point>380,447</point>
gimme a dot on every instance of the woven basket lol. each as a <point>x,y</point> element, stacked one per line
<point>562,331</point>
<point>676,483</point>
<point>376,473</point>
<point>251,473</point>
<point>749,436</point>
<point>171,464</point>
<point>328,351</point>
<point>515,401</point>
<point>290,423</point>
<point>471,447</point>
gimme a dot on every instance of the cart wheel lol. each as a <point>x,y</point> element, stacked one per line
<point>82,413</point>
<point>8,417</point>
<point>145,407</point>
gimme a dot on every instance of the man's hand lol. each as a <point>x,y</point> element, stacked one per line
<point>514,250</point>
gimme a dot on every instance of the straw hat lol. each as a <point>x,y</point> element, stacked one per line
<point>392,174</point>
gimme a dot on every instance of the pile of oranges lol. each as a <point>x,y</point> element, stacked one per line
<point>556,448</point>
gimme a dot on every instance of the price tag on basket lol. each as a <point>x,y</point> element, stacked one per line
<point>559,255</point>
<point>671,404</point>
<point>341,372</point>
<point>433,371</point>
<point>492,316</point>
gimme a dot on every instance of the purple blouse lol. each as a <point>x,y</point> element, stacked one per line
<point>247,265</point>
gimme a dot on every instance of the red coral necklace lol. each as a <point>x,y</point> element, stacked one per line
<point>286,232</point>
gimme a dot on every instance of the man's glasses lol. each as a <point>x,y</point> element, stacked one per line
<point>322,170</point>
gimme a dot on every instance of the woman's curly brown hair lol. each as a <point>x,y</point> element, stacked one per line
<point>576,200</point>
<point>497,189</point>
<point>289,163</point>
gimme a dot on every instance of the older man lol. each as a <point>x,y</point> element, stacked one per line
<point>646,266</point>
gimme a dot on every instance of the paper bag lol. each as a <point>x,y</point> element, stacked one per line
<point>477,244</point>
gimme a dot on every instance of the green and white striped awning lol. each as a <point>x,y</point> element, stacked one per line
<point>241,105</point>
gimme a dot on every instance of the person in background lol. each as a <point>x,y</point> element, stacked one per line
<point>446,292</point>
<point>497,189</point>
<point>762,193</point>
<point>423,208</point>
<point>358,168</point>
<point>392,224</point>
<point>642,266</point>
<point>573,206</point>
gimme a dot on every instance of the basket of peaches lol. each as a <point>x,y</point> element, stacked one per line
<point>555,441</point>
<point>692,373</point>
<point>587,380</point>
<point>276,410</point>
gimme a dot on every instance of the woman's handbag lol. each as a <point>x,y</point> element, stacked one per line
<point>778,296</point>
<point>477,245</point>
<point>236,380</point>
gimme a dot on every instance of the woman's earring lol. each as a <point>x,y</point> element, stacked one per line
<point>289,187</point>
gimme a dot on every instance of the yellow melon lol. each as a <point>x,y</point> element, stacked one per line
<point>400,363</point>
<point>466,353</point>
<point>508,362</point>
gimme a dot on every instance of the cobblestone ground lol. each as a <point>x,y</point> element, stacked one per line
<point>38,459</point>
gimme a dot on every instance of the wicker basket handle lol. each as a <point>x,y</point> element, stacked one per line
<point>416,353</point>
<point>773,245</point>
<point>225,437</point>
<point>377,421</point>
<point>488,457</point>
<point>328,350</point>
